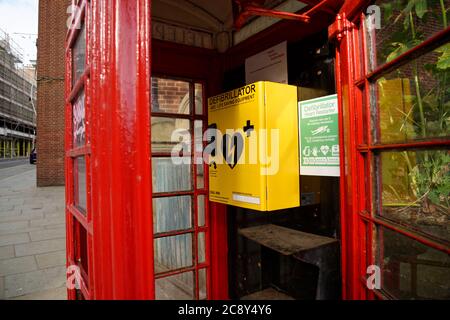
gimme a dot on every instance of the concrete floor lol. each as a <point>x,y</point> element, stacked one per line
<point>32,237</point>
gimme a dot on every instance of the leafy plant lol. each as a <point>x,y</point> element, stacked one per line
<point>429,172</point>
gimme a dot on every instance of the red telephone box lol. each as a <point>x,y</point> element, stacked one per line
<point>119,183</point>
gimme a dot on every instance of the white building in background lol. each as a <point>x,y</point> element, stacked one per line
<point>17,101</point>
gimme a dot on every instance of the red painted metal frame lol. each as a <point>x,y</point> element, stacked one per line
<point>356,238</point>
<point>325,7</point>
<point>249,9</point>
<point>358,220</point>
<point>350,189</point>
<point>118,167</point>
<point>75,218</point>
<point>119,66</point>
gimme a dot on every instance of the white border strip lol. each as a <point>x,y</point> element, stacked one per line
<point>320,171</point>
<point>246,199</point>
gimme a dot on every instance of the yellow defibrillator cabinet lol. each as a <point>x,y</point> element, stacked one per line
<point>255,161</point>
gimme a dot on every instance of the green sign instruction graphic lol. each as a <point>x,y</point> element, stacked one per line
<point>319,137</point>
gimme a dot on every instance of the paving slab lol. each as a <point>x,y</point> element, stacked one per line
<point>47,221</point>
<point>17,265</point>
<point>32,237</point>
<point>52,294</point>
<point>19,216</point>
<point>48,234</point>
<point>52,259</point>
<point>6,252</point>
<point>31,282</point>
<point>13,226</point>
<point>16,238</point>
<point>39,247</point>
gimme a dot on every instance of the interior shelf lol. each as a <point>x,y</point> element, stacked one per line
<point>284,240</point>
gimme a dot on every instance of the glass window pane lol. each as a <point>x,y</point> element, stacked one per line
<point>172,253</point>
<point>178,287</point>
<point>79,55</point>
<point>415,188</point>
<point>413,102</point>
<point>80,190</point>
<point>199,154</point>
<point>198,99</point>
<point>202,283</point>
<point>83,256</point>
<point>201,210</point>
<point>170,96</point>
<point>411,270</point>
<point>201,247</point>
<point>168,133</point>
<point>170,177</point>
<point>404,24</point>
<point>79,122</point>
<point>200,176</point>
<point>172,214</point>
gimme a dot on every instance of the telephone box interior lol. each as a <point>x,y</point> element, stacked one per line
<point>302,260</point>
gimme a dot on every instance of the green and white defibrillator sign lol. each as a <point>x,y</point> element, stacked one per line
<point>319,137</point>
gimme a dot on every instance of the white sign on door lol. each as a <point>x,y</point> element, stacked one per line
<point>269,65</point>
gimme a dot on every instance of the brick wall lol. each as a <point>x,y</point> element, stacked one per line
<point>50,109</point>
<point>170,96</point>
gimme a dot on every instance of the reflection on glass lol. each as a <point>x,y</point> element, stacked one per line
<point>415,189</point>
<point>170,96</point>
<point>201,247</point>
<point>413,101</point>
<point>79,55</point>
<point>404,24</point>
<point>79,122</point>
<point>170,177</point>
<point>198,99</point>
<point>172,253</point>
<point>201,211</point>
<point>170,134</point>
<point>172,214</point>
<point>411,270</point>
<point>83,241</point>
<point>178,287</point>
<point>203,295</point>
<point>80,191</point>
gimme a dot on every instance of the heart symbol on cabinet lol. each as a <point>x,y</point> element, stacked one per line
<point>232,148</point>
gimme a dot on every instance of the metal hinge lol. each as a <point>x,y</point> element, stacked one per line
<point>337,30</point>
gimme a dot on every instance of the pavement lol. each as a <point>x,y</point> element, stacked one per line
<point>32,236</point>
<point>8,163</point>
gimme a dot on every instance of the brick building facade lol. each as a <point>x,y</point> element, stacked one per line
<point>50,75</point>
<point>170,96</point>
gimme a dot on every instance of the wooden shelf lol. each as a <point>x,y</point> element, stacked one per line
<point>284,240</point>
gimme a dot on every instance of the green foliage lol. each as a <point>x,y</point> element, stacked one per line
<point>432,178</point>
<point>444,60</point>
<point>421,7</point>
<point>398,48</point>
<point>429,171</point>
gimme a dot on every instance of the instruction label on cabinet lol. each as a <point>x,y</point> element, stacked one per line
<point>319,137</point>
